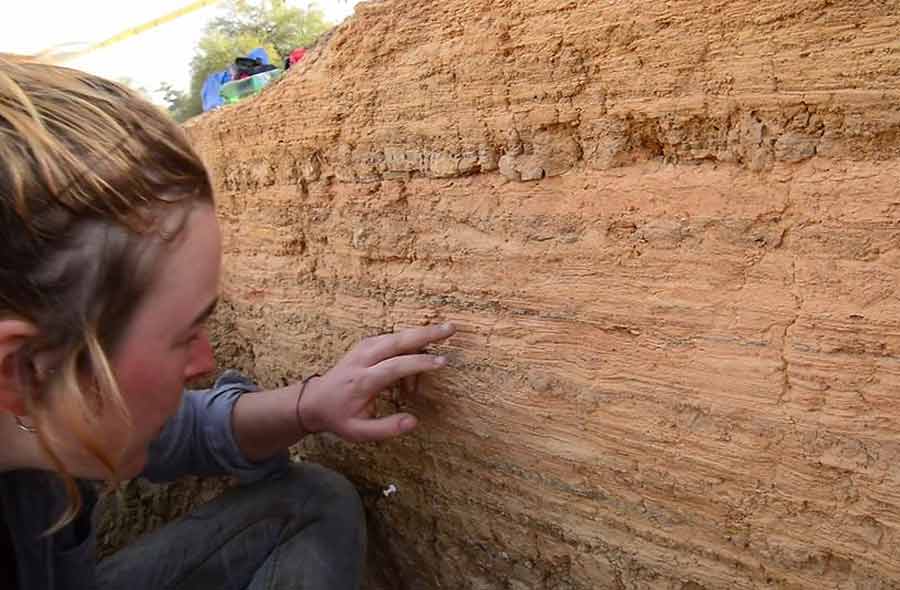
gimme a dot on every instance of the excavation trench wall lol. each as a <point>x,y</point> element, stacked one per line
<point>669,235</point>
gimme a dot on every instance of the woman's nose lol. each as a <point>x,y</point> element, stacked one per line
<point>201,361</point>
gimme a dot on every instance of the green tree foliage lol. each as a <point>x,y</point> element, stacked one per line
<point>178,103</point>
<point>274,22</point>
<point>243,26</point>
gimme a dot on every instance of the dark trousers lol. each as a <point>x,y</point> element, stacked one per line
<point>304,530</point>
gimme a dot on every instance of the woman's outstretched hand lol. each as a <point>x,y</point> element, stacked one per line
<point>343,400</point>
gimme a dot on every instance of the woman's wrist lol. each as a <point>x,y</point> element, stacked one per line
<point>301,408</point>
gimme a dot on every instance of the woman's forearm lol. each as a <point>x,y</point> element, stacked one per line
<point>265,422</point>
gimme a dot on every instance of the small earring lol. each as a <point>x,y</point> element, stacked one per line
<point>24,427</point>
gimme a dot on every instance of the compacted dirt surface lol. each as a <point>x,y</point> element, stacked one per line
<point>669,233</point>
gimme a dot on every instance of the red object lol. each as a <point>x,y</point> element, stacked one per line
<point>297,55</point>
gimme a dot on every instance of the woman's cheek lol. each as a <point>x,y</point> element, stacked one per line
<point>151,400</point>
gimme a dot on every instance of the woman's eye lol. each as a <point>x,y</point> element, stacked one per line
<point>190,339</point>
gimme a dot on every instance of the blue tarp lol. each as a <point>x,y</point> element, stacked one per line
<point>211,87</point>
<point>260,54</point>
<point>213,84</point>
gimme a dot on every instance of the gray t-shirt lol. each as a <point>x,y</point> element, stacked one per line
<point>198,440</point>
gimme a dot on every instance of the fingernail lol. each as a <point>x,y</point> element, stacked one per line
<point>448,327</point>
<point>440,361</point>
<point>407,423</point>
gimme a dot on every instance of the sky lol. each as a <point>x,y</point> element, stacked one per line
<point>160,55</point>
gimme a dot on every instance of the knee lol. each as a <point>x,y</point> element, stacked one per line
<point>330,523</point>
<point>326,492</point>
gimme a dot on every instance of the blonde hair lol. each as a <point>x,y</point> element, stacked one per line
<point>93,181</point>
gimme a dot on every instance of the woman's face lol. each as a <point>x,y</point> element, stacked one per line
<point>165,345</point>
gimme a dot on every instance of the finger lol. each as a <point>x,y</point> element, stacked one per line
<point>406,342</point>
<point>361,430</point>
<point>385,373</point>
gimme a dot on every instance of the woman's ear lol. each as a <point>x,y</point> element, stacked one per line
<point>13,336</point>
